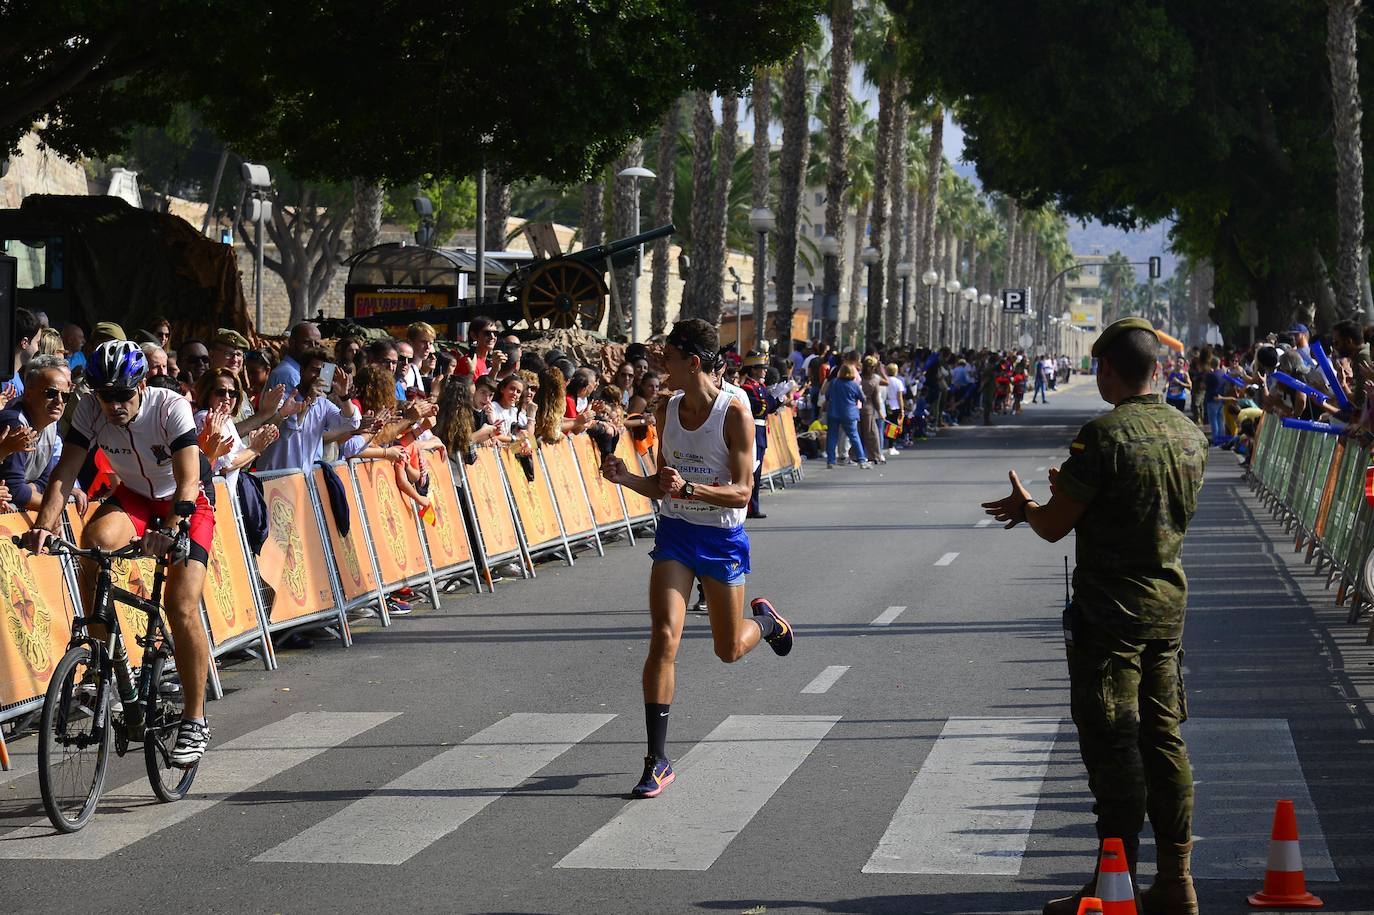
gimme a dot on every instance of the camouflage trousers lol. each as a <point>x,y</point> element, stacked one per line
<point>1128,701</point>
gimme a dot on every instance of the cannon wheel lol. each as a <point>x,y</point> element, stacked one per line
<point>562,293</point>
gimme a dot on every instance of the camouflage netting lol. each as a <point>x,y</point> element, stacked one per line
<point>131,265</point>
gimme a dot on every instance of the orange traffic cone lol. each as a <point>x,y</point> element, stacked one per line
<point>1114,880</point>
<point>1284,885</point>
<point>1090,905</point>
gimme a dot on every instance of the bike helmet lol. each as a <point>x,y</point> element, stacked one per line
<point>117,364</point>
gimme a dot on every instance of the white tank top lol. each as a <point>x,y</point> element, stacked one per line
<point>701,456</point>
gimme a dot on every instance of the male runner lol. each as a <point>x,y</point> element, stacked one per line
<point>149,437</point>
<point>705,475</point>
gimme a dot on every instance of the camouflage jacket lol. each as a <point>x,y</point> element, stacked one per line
<point>1139,468</point>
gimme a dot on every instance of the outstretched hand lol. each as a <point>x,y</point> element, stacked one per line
<point>1011,509</point>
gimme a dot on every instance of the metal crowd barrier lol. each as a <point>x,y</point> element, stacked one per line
<point>310,573</point>
<point>1314,484</point>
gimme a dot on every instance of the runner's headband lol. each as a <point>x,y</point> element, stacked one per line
<point>710,359</point>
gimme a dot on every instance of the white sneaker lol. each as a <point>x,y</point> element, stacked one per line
<point>865,465</point>
<point>892,452</point>
<point>192,739</point>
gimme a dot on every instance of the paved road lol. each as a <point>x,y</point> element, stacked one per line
<point>913,754</point>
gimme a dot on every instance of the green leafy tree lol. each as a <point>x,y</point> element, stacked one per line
<point>1216,114</point>
<point>383,90</point>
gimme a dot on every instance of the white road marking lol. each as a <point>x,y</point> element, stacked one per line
<point>721,784</point>
<point>947,559</point>
<point>984,523</point>
<point>970,808</point>
<point>825,679</point>
<point>1241,766</point>
<point>430,801</point>
<point>228,769</point>
<point>887,616</point>
<point>1041,469</point>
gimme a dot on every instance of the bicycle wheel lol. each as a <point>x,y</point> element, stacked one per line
<point>74,740</point>
<point>163,717</point>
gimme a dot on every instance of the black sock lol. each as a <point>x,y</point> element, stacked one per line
<point>767,625</point>
<point>656,723</point>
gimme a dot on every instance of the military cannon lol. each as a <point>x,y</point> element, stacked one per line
<point>539,293</point>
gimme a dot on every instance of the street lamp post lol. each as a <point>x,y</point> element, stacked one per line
<point>970,296</point>
<point>904,270</point>
<point>869,257</point>
<point>951,303</point>
<point>830,301</point>
<point>984,318</point>
<point>762,221</point>
<point>259,180</point>
<point>634,173</point>
<point>931,279</point>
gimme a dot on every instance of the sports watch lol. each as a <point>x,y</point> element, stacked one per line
<point>688,490</point>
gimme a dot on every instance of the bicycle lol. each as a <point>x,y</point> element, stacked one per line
<point>79,723</point>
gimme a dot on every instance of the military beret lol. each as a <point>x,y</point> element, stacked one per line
<point>1113,332</point>
<point>227,336</point>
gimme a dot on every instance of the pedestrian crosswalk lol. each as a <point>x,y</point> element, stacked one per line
<point>971,806</point>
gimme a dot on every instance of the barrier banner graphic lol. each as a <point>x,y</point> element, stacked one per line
<point>228,581</point>
<point>533,501</point>
<point>391,521</point>
<point>293,562</point>
<point>448,545</point>
<point>37,616</point>
<point>350,553</point>
<point>567,487</point>
<point>494,520</point>
<point>605,503</point>
<point>134,576</point>
<point>636,505</point>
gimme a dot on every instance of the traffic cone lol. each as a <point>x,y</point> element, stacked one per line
<point>1090,905</point>
<point>1284,885</point>
<point>1114,880</point>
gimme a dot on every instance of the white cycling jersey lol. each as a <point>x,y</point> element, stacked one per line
<point>141,451</point>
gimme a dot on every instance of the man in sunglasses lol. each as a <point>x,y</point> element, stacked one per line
<point>482,336</point>
<point>149,437</point>
<point>30,425</point>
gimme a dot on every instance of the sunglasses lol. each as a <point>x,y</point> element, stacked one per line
<point>55,394</point>
<point>198,359</point>
<point>488,333</point>
<point>116,395</point>
<point>403,358</point>
<point>227,392</point>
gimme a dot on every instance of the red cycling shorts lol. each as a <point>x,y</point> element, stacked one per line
<point>142,510</point>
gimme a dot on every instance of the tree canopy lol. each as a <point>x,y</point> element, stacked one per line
<point>1215,114</point>
<point>382,89</point>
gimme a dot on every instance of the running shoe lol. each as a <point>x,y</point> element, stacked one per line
<point>658,774</point>
<point>781,640</point>
<point>397,607</point>
<point>192,739</point>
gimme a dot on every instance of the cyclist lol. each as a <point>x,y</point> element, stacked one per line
<point>149,436</point>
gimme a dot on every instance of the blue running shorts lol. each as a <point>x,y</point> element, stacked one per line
<point>719,553</point>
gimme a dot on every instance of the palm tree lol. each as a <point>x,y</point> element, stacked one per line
<point>896,174</point>
<point>925,256</point>
<point>498,211</point>
<point>623,204</point>
<point>663,214</point>
<point>1342,52</point>
<point>887,80</point>
<point>863,143</point>
<point>837,166</point>
<point>760,99</point>
<point>703,141</point>
<point>712,248</point>
<point>796,138</point>
<point>594,211</point>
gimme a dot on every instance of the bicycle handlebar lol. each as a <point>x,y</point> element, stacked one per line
<point>57,546</point>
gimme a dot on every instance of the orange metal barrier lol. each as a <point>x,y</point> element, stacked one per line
<point>292,561</point>
<point>534,505</point>
<point>395,534</point>
<point>638,508</point>
<point>491,508</point>
<point>230,601</point>
<point>134,576</point>
<point>607,508</point>
<point>447,537</point>
<point>573,505</point>
<point>357,577</point>
<point>37,617</point>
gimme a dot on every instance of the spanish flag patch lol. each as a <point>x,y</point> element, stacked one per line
<point>1077,447</point>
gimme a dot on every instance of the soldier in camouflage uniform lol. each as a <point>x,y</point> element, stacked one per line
<point>1129,488</point>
